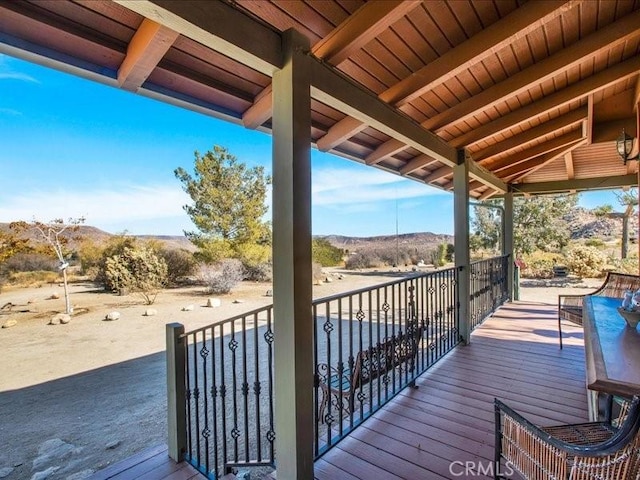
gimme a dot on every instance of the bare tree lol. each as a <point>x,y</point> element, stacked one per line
<point>52,232</point>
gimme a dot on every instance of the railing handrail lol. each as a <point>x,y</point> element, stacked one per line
<point>322,300</point>
<point>506,255</point>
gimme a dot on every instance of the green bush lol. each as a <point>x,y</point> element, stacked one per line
<point>324,253</point>
<point>137,270</point>
<point>540,264</point>
<point>626,265</point>
<point>180,263</point>
<point>594,242</point>
<point>585,261</point>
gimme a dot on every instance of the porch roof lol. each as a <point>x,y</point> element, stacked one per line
<point>536,92</point>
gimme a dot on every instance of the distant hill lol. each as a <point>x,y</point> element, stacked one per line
<point>422,239</point>
<point>100,236</point>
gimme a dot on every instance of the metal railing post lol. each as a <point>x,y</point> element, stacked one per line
<point>176,393</point>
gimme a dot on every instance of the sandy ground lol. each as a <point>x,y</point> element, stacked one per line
<point>75,398</point>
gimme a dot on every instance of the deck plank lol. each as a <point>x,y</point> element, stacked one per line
<point>514,356</point>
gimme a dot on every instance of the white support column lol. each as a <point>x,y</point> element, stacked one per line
<point>507,248</point>
<point>461,240</point>
<point>176,392</point>
<point>292,282</point>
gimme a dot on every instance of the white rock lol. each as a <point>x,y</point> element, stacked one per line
<point>269,293</point>
<point>5,472</point>
<point>328,280</point>
<point>237,300</point>
<point>213,302</point>
<point>62,318</point>
<point>112,316</point>
<point>81,475</point>
<point>54,296</point>
<point>113,444</point>
<point>43,475</point>
<point>150,312</point>
<point>188,308</point>
<point>9,324</point>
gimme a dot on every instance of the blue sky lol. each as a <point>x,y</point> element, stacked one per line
<point>71,147</point>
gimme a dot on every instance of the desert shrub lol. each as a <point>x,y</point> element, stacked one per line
<point>625,265</point>
<point>36,278</point>
<point>180,263</point>
<point>138,270</point>
<point>316,272</point>
<point>115,246</point>
<point>540,264</point>
<point>585,261</point>
<point>256,261</point>
<point>364,259</point>
<point>324,253</point>
<point>594,242</point>
<point>31,262</point>
<point>90,255</point>
<point>262,272</point>
<point>221,277</point>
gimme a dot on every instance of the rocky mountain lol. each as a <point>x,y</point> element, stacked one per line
<point>583,224</point>
<point>423,239</point>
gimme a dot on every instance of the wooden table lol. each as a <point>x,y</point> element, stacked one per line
<point>612,351</point>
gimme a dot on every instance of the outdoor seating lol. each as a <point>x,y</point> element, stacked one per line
<point>570,306</point>
<point>398,351</point>
<point>597,450</point>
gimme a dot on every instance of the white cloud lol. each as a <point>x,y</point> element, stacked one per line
<point>348,188</point>
<point>120,205</point>
<point>23,77</point>
<point>10,111</point>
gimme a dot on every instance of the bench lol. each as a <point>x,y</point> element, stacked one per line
<point>570,306</point>
<point>399,351</point>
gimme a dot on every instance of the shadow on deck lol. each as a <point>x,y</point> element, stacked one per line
<point>432,431</point>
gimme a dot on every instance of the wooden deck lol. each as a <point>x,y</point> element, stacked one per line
<point>151,464</point>
<point>514,356</point>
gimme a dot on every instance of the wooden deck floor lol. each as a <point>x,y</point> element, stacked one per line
<point>513,356</point>
<point>151,464</point>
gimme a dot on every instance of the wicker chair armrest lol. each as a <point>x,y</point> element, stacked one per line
<point>625,434</point>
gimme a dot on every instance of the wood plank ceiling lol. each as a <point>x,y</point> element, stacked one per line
<point>536,92</point>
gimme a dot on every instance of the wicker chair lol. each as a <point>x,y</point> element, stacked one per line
<point>570,306</point>
<point>599,450</point>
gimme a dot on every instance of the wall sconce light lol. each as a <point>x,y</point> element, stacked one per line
<point>624,145</point>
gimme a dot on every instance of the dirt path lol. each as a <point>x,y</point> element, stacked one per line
<point>75,398</point>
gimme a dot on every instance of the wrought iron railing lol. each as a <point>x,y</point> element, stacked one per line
<point>372,343</point>
<point>369,345</point>
<point>488,287</point>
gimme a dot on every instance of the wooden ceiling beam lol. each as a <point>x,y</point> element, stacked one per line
<point>352,34</point>
<point>217,25</point>
<point>488,178</point>
<point>542,130</point>
<point>590,119</point>
<point>438,174</point>
<point>613,35</point>
<point>487,194</point>
<point>366,23</point>
<point>562,152</point>
<point>576,184</point>
<point>612,75</point>
<point>568,165</point>
<point>147,47</point>
<point>473,51</point>
<point>385,150</point>
<point>333,89</point>
<point>535,151</point>
<point>488,41</point>
<point>340,132</point>
<point>260,111</point>
<point>416,163</point>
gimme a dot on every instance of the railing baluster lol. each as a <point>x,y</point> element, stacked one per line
<point>393,333</point>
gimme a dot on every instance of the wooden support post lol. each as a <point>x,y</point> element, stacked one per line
<point>461,241</point>
<point>176,392</point>
<point>292,280</point>
<point>507,247</point>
